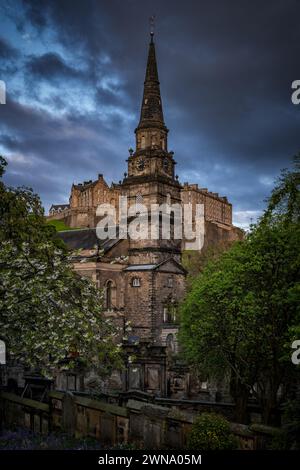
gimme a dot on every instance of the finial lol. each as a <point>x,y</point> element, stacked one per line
<point>152,24</point>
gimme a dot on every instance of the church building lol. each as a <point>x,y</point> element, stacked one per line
<point>143,280</point>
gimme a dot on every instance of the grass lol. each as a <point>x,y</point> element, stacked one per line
<point>60,225</point>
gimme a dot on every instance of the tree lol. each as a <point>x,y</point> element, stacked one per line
<point>284,200</point>
<point>47,312</point>
<point>242,313</point>
<point>211,431</point>
<point>195,261</point>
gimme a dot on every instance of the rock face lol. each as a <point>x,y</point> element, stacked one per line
<point>143,280</point>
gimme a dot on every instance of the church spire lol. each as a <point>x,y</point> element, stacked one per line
<point>151,110</point>
<point>151,117</point>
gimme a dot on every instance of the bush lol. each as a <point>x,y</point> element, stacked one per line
<point>211,431</point>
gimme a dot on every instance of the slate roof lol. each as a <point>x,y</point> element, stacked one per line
<point>59,206</point>
<point>85,239</point>
<point>152,267</point>
<point>141,267</point>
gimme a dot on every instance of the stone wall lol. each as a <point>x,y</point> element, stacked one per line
<point>139,305</point>
<point>216,233</point>
<point>216,208</point>
<point>169,289</point>
<point>23,412</point>
<point>92,193</point>
<point>85,198</point>
<point>143,425</point>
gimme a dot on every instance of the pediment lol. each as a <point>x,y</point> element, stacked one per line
<point>171,266</point>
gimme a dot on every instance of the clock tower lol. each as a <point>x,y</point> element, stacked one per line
<point>151,167</point>
<point>151,156</point>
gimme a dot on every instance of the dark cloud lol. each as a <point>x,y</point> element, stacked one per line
<point>226,70</point>
<point>36,10</point>
<point>49,66</point>
<point>62,146</point>
<point>6,50</point>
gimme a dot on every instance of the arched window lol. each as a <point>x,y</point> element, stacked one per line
<point>166,316</point>
<point>143,142</point>
<point>110,295</point>
<point>136,282</point>
<point>139,198</point>
<point>170,342</point>
<point>138,202</point>
<point>153,140</point>
<point>170,312</point>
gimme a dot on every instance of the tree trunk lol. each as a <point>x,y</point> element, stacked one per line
<point>269,405</point>
<point>240,395</point>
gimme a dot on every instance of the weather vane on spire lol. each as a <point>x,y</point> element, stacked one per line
<point>152,24</point>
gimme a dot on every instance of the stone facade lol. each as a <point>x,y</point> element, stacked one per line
<point>143,280</point>
<point>217,209</point>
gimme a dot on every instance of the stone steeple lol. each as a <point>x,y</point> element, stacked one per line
<point>151,110</point>
<point>151,158</point>
<point>151,132</point>
<point>151,177</point>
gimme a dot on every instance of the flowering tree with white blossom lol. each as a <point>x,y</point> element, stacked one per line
<point>49,316</point>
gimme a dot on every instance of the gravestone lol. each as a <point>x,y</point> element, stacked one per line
<point>69,414</point>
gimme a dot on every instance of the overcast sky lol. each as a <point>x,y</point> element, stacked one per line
<point>74,74</point>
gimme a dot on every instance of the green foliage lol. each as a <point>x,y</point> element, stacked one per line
<point>195,261</point>
<point>291,423</point>
<point>211,431</point>
<point>278,442</point>
<point>59,225</point>
<point>242,312</point>
<point>128,446</point>
<point>285,198</point>
<point>48,314</point>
